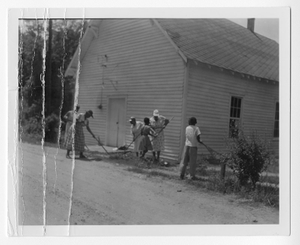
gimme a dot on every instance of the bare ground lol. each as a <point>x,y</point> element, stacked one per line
<point>106,193</point>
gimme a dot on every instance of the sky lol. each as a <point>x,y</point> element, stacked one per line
<point>265,27</point>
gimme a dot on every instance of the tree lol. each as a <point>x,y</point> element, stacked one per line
<point>62,39</point>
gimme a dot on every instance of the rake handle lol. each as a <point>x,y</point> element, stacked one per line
<point>99,143</point>
<point>210,149</point>
<point>162,128</point>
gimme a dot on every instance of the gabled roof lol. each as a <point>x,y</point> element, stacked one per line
<point>217,42</point>
<point>83,46</point>
<point>225,44</point>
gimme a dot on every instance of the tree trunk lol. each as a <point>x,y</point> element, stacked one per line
<point>49,71</point>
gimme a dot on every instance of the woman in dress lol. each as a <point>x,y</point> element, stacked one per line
<point>145,144</point>
<point>136,127</point>
<point>158,123</point>
<point>76,136</point>
<point>68,118</point>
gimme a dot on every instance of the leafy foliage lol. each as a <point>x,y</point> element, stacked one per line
<point>248,157</point>
<point>58,89</point>
<point>51,127</point>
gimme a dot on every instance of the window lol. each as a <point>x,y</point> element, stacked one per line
<point>276,123</point>
<point>235,116</point>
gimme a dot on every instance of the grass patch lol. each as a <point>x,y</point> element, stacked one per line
<point>204,170</point>
<point>214,161</point>
<point>210,160</point>
<point>136,170</point>
<point>272,179</point>
<point>265,194</point>
<point>148,172</point>
<point>155,173</point>
<point>273,167</point>
<point>268,196</point>
<point>269,179</point>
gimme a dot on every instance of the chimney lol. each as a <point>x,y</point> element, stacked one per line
<point>250,24</point>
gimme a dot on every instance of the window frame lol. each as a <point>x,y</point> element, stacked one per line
<point>239,119</point>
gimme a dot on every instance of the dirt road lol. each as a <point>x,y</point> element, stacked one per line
<point>106,193</point>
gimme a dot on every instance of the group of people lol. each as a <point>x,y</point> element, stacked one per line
<point>147,136</point>
<point>152,127</point>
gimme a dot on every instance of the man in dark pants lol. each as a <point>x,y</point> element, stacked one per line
<point>190,149</point>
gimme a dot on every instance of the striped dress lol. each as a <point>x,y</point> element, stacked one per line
<point>159,141</point>
<point>69,117</point>
<point>76,136</point>
<point>145,144</point>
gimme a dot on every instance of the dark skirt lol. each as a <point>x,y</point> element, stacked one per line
<point>79,142</point>
<point>145,144</point>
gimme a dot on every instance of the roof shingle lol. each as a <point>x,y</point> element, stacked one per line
<point>225,44</point>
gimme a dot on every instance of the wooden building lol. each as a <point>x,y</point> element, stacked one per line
<point>225,75</point>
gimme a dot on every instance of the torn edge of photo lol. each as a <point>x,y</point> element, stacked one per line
<point>74,102</point>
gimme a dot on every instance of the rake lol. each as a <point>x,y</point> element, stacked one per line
<point>99,143</point>
<point>125,148</point>
<point>162,128</point>
<point>214,153</point>
<point>211,150</point>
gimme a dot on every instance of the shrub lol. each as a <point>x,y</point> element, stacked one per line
<point>248,157</point>
<point>202,170</point>
<point>34,111</point>
<point>32,126</point>
<point>51,128</point>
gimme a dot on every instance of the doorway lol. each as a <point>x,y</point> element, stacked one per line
<point>116,122</point>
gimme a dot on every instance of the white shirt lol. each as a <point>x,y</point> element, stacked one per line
<point>136,129</point>
<point>191,133</point>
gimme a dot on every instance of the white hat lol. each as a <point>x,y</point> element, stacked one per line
<point>155,113</point>
<point>132,119</point>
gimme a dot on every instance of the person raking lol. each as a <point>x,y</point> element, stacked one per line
<point>189,155</point>
<point>136,127</point>
<point>158,123</point>
<point>145,144</point>
<point>68,118</point>
<point>76,134</point>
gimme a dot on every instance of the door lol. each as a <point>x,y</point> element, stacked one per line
<point>116,122</point>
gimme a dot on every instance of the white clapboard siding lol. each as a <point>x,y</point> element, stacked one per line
<point>208,99</point>
<point>144,68</point>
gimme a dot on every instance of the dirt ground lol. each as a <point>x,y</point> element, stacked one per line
<point>107,193</point>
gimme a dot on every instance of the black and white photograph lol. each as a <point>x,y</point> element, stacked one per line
<point>151,123</point>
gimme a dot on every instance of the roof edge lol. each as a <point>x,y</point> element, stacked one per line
<point>71,70</point>
<point>233,72</point>
<point>177,49</point>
